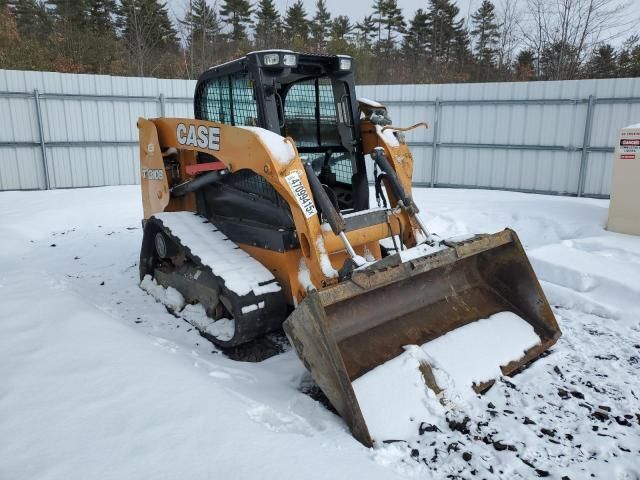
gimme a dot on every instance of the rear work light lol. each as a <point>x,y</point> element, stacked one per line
<point>289,60</point>
<point>345,63</point>
<point>271,59</point>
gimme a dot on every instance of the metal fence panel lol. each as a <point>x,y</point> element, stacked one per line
<point>553,137</point>
<point>526,136</point>
<point>88,126</point>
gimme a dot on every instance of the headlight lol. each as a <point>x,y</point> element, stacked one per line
<point>289,60</point>
<point>345,63</point>
<point>271,59</point>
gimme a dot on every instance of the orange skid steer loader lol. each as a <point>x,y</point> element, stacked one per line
<point>258,211</point>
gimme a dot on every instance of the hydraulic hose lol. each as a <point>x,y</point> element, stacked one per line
<point>381,160</point>
<point>324,202</point>
<point>195,184</point>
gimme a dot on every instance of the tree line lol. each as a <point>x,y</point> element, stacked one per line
<point>510,40</point>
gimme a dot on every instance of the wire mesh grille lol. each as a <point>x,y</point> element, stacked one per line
<point>342,167</point>
<point>245,108</point>
<point>340,164</point>
<point>250,182</point>
<point>215,100</point>
<point>310,113</point>
<point>229,100</point>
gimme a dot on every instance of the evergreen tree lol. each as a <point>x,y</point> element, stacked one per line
<point>85,38</point>
<point>102,50</point>
<point>100,16</point>
<point>525,68</point>
<point>204,29</point>
<point>416,41</point>
<point>390,19</point>
<point>448,39</point>
<point>31,18</point>
<point>461,51</point>
<point>147,33</point>
<point>28,51</point>
<point>340,36</point>
<point>72,11</point>
<point>296,25</point>
<point>629,58</point>
<point>366,32</point>
<point>486,32</point>
<point>379,13</point>
<point>138,37</point>
<point>9,38</point>
<point>202,22</point>
<point>414,46</point>
<point>341,28</point>
<point>393,19</point>
<point>388,16</point>
<point>559,61</point>
<point>320,26</point>
<point>269,25</point>
<point>603,63</point>
<point>237,13</point>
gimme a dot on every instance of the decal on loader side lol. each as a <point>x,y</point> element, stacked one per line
<point>198,136</point>
<point>153,174</point>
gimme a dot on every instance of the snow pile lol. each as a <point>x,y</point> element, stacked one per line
<point>279,147</point>
<point>196,315</point>
<point>167,296</point>
<point>603,276</point>
<point>474,353</point>
<point>325,261</point>
<point>100,381</point>
<point>394,397</point>
<point>368,256</point>
<point>304,276</point>
<point>241,272</point>
<point>252,308</point>
<point>420,251</point>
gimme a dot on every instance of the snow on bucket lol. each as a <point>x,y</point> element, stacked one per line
<point>474,310</point>
<point>457,362</point>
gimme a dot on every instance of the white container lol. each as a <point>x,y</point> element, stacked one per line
<point>624,209</point>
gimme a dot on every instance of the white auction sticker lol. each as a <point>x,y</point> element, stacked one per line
<point>300,192</point>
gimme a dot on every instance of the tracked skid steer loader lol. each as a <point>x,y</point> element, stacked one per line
<point>258,212</point>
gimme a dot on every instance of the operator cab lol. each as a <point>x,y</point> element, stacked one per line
<point>310,98</point>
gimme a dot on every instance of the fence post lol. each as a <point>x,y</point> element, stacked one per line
<point>162,104</point>
<point>586,142</point>
<point>43,147</point>
<point>434,146</point>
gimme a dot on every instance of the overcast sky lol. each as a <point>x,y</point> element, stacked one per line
<point>356,9</point>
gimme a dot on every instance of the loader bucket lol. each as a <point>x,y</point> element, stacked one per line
<point>346,330</point>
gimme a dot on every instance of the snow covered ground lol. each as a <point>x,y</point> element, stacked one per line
<point>98,380</point>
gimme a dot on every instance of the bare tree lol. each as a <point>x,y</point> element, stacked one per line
<point>563,32</point>
<point>509,17</point>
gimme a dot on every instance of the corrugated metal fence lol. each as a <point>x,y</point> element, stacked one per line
<point>81,127</point>
<point>63,130</point>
